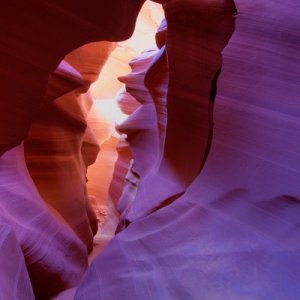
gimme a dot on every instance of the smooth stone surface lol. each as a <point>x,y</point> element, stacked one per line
<point>55,258</point>
<point>234,234</point>
<point>14,279</point>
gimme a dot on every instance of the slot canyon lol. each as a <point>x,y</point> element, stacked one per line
<point>150,150</point>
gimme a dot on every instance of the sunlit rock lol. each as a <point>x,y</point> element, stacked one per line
<point>127,103</point>
<point>63,80</point>
<point>206,177</point>
<point>234,233</point>
<point>58,160</point>
<point>184,80</point>
<point>35,37</point>
<point>33,46</point>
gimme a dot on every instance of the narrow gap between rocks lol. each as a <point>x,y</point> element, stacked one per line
<point>106,114</point>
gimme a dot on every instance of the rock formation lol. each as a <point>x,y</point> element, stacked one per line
<point>58,161</point>
<point>233,234</point>
<point>31,77</point>
<point>36,36</point>
<point>206,180</point>
<point>15,283</point>
<point>55,258</point>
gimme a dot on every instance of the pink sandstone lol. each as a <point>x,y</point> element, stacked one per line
<point>207,180</point>
<point>234,232</point>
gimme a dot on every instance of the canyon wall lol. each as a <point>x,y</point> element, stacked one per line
<point>230,231</point>
<point>206,182</point>
<point>46,219</point>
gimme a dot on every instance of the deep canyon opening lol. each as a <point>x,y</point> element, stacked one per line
<point>106,114</point>
<point>191,225</point>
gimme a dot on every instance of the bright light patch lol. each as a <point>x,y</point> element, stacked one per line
<point>108,110</point>
<point>105,89</point>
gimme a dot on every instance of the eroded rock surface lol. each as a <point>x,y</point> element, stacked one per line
<point>55,258</point>
<point>58,160</point>
<point>234,233</point>
<point>36,36</point>
<point>34,39</point>
<point>210,203</point>
<point>14,278</point>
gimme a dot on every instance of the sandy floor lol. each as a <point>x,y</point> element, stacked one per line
<point>106,232</point>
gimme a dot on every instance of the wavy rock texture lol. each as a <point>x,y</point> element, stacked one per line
<point>160,79</point>
<point>108,85</point>
<point>63,80</point>
<point>127,103</point>
<point>32,49</point>
<point>234,234</point>
<point>229,232</point>
<point>55,258</point>
<point>58,160</point>
<point>103,170</point>
<point>56,165</point>
<point>99,174</point>
<point>118,182</point>
<point>108,89</point>
<point>140,129</point>
<point>14,278</point>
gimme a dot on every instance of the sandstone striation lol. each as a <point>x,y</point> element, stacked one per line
<point>55,258</point>
<point>233,233</point>
<point>158,80</point>
<point>207,175</point>
<point>58,160</point>
<point>58,148</point>
<point>15,282</point>
<point>40,36</point>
